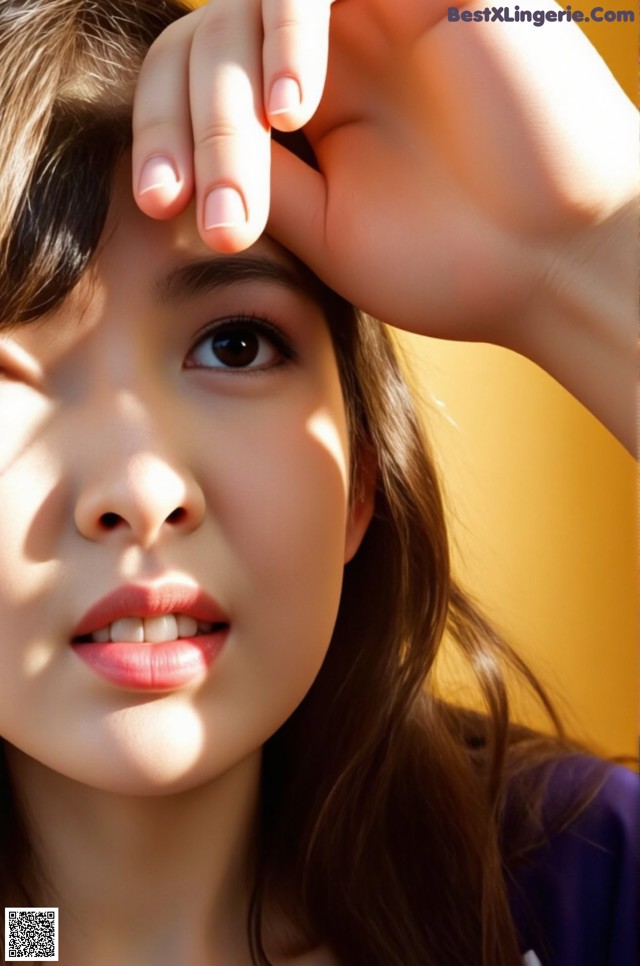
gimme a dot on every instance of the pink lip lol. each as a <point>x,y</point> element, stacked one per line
<point>133,601</point>
<point>152,667</point>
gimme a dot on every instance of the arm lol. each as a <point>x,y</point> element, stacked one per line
<point>477,181</point>
<point>583,328</point>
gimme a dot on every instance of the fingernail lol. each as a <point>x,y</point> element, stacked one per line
<point>285,96</point>
<point>224,208</point>
<point>158,173</point>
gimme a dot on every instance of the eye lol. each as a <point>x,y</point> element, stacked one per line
<point>240,344</point>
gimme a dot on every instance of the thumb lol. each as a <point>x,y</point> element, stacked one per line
<point>297,216</point>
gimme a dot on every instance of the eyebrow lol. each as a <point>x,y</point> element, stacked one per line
<point>203,275</point>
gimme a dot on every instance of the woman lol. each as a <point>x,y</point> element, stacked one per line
<point>221,610</point>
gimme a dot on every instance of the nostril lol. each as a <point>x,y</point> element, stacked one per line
<point>109,520</point>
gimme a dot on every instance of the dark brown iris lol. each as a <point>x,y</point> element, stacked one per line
<point>236,349</point>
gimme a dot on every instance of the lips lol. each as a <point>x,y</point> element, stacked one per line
<point>144,664</point>
<point>141,602</point>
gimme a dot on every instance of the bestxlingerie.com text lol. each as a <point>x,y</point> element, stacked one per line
<point>539,17</point>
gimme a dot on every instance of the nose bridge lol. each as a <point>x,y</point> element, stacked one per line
<point>135,420</point>
<point>136,474</point>
<point>135,432</point>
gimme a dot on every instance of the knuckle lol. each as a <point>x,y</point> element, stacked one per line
<point>215,138</point>
<point>218,20</point>
<point>157,128</point>
<point>295,16</point>
<point>222,19</point>
<point>286,24</point>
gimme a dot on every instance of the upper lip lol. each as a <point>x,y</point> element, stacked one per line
<point>150,601</point>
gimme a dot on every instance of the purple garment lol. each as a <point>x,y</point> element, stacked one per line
<point>575,900</point>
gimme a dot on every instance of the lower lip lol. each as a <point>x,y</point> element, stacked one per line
<point>153,667</point>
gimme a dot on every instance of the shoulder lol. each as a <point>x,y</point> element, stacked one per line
<point>574,898</point>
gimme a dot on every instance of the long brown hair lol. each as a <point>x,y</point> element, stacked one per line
<point>382,823</point>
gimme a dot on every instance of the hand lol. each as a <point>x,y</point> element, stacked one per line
<point>468,171</point>
<point>209,89</point>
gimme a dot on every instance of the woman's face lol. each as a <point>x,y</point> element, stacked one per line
<point>173,439</point>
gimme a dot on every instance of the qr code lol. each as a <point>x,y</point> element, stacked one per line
<point>31,934</point>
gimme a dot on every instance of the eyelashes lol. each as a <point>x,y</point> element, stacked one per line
<point>241,344</point>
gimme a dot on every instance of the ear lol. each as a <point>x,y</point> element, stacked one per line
<point>362,502</point>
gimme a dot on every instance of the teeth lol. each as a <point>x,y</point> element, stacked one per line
<point>151,630</point>
<point>187,626</point>
<point>127,629</point>
<point>159,629</point>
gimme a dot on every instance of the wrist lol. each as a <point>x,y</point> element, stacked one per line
<point>581,325</point>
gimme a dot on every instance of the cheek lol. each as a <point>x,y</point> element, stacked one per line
<point>285,503</point>
<point>34,504</point>
<point>32,569</point>
<point>281,506</point>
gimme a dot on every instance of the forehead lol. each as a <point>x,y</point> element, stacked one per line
<point>140,263</point>
<point>145,271</point>
<point>170,258</point>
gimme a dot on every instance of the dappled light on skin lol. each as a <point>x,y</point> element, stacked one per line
<point>36,469</point>
<point>21,591</point>
<point>23,420</point>
<point>42,579</point>
<point>160,740</point>
<point>322,427</point>
<point>261,477</point>
<point>38,657</point>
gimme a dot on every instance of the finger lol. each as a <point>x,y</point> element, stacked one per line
<point>162,159</point>
<point>298,211</point>
<point>230,131</point>
<point>296,40</point>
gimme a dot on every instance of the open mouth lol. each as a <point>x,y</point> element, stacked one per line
<point>151,630</point>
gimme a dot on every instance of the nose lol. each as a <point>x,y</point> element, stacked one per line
<point>137,487</point>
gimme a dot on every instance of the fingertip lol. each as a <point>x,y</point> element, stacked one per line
<point>160,191</point>
<point>226,226</point>
<point>284,102</point>
<point>287,107</point>
<point>224,207</point>
<point>228,240</point>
